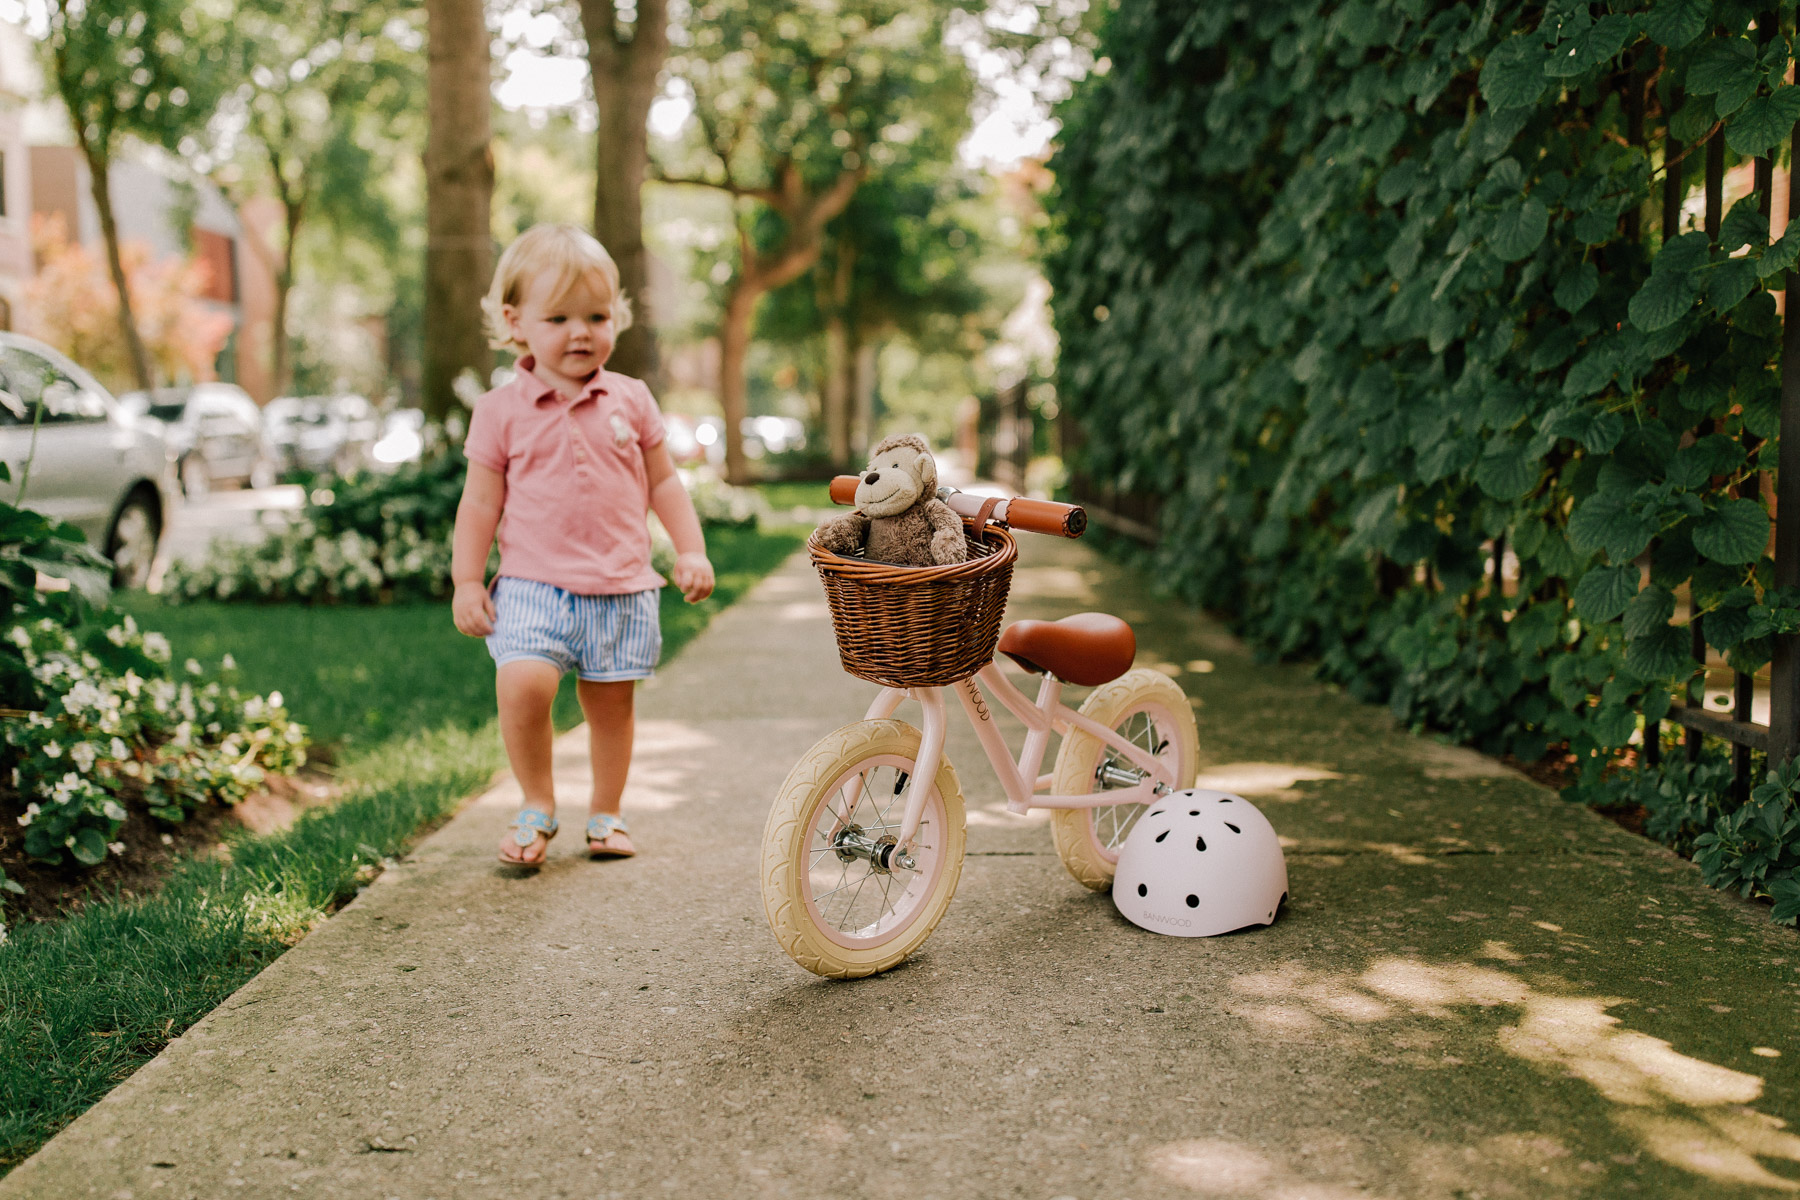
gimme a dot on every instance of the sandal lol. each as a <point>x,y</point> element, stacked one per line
<point>601,826</point>
<point>526,827</point>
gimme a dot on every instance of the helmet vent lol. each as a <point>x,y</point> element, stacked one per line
<point>1224,799</point>
<point>1142,890</point>
<point>1232,827</point>
<point>1200,844</point>
<point>1193,901</point>
<point>1193,812</point>
<point>1162,835</point>
<point>1157,813</point>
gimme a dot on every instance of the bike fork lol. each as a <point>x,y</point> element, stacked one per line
<point>931,750</point>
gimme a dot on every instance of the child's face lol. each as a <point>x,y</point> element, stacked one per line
<point>570,335</point>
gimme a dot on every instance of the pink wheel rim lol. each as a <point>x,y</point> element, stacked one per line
<point>849,901</point>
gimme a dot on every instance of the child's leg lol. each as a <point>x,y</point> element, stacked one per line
<point>526,689</point>
<point>611,721</point>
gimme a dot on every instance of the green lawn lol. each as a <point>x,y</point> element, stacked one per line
<point>783,498</point>
<point>406,704</point>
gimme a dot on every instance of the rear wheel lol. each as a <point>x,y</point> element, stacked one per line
<point>1147,709</point>
<point>196,476</point>
<point>131,543</point>
<point>840,897</point>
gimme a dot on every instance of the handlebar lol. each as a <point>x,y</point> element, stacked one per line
<point>1021,512</point>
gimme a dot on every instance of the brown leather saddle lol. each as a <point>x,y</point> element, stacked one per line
<point>1087,649</point>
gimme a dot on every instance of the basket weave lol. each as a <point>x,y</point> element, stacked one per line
<point>919,627</point>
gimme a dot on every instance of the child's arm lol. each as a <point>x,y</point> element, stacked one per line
<point>693,574</point>
<point>477,516</point>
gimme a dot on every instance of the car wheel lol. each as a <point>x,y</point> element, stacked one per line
<point>196,477</point>
<point>131,544</point>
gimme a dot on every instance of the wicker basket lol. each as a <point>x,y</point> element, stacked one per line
<point>918,626</point>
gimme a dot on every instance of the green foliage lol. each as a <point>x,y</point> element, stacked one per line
<point>1359,292</point>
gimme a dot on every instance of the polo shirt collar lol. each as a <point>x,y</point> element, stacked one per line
<point>536,389</point>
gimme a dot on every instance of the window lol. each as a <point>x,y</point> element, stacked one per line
<point>31,381</point>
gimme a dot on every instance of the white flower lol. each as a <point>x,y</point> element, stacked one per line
<point>117,848</point>
<point>228,662</point>
<point>192,666</point>
<point>53,749</point>
<point>120,751</point>
<point>31,812</point>
<point>116,635</point>
<point>114,810</point>
<point>274,699</point>
<point>156,647</point>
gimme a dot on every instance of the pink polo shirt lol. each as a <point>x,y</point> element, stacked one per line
<point>576,485</point>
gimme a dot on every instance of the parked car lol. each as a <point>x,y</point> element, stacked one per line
<point>77,455</point>
<point>402,439</point>
<point>321,433</point>
<point>215,431</point>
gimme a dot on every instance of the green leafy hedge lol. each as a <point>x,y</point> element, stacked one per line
<point>1372,293</point>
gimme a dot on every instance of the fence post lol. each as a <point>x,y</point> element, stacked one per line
<point>1784,681</point>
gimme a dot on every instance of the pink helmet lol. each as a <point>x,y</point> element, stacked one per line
<point>1200,863</point>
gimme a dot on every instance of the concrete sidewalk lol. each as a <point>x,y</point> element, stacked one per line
<point>1478,991</point>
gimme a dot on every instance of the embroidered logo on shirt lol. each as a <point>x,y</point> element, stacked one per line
<point>621,431</point>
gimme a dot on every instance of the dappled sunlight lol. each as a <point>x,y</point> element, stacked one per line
<point>1221,1167</point>
<point>1407,856</point>
<point>1441,761</point>
<point>1688,1112</point>
<point>1051,583</point>
<point>798,610</point>
<point>1266,779</point>
<point>998,815</point>
<point>662,763</point>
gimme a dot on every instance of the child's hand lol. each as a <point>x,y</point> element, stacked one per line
<point>473,609</point>
<point>693,574</point>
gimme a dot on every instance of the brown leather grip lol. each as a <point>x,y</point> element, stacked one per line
<point>1046,516</point>
<point>843,488</point>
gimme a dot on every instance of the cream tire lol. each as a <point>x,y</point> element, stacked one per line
<point>1145,706</point>
<point>834,914</point>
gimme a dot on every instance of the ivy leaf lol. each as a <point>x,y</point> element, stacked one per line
<point>1604,593</point>
<point>1605,522</point>
<point>1763,121</point>
<point>1744,225</point>
<point>1513,76</point>
<point>1730,282</point>
<point>1613,724</point>
<point>1659,654</point>
<point>1648,611</point>
<point>1779,257</point>
<point>1675,23</point>
<point>1578,285</point>
<point>1665,298</point>
<point>1398,181</point>
<point>1601,41</point>
<point>1517,232</point>
<point>1593,371</point>
<point>1508,473</point>
<point>1691,121</point>
<point>1734,532</point>
<point>1721,63</point>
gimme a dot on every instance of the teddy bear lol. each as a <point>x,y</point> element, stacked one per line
<point>898,518</point>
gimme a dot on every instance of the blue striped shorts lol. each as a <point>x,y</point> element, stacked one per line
<point>602,639</point>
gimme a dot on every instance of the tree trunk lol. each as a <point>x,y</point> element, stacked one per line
<point>734,343</point>
<point>459,186</point>
<point>624,77</point>
<point>838,362</point>
<point>280,363</point>
<point>100,184</point>
<point>864,436</point>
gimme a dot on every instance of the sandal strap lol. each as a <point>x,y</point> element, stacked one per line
<point>529,823</point>
<point>601,826</point>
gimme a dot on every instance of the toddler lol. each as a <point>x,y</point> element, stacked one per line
<point>563,462</point>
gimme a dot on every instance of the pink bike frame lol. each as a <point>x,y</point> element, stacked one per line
<point>1021,779</point>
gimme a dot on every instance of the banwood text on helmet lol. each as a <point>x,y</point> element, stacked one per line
<point>1200,863</point>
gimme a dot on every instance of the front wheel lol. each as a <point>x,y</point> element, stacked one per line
<point>131,542</point>
<point>1147,709</point>
<point>840,898</point>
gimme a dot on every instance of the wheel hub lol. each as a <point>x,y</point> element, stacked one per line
<point>882,853</point>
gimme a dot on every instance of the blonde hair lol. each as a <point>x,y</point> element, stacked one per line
<point>565,253</point>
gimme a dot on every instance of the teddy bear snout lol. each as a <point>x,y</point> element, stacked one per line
<point>872,477</point>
